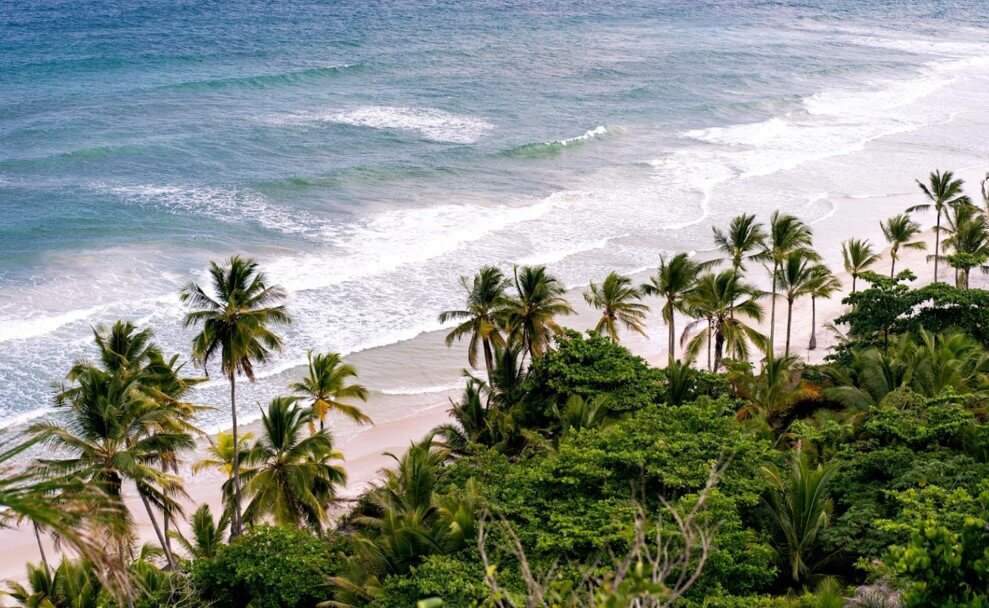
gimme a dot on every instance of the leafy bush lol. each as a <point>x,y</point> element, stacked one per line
<point>267,567</point>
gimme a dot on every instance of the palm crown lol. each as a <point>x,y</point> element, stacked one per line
<point>619,303</point>
<point>327,385</point>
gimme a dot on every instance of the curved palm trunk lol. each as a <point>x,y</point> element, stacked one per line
<point>41,547</point>
<point>709,324</point>
<point>719,346</point>
<point>672,336</point>
<point>235,505</point>
<point>937,243</point>
<point>772,318</point>
<point>813,324</point>
<point>488,358</point>
<point>789,325</point>
<point>154,524</point>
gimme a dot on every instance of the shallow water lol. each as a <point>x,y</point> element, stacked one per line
<point>370,155</point>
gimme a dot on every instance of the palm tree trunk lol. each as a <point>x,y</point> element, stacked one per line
<point>672,337</point>
<point>719,346</point>
<point>772,317</point>
<point>154,524</point>
<point>892,265</point>
<point>937,243</point>
<point>709,368</point>
<point>855,278</point>
<point>488,358</point>
<point>789,324</point>
<point>235,504</point>
<point>813,324</point>
<point>41,548</point>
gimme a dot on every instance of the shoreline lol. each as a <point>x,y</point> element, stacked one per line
<point>426,357</point>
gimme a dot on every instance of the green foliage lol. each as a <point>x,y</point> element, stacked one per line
<point>594,365</point>
<point>457,580</point>
<point>267,567</point>
<point>945,565</point>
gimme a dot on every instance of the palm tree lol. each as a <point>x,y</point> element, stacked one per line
<point>475,421</point>
<point>74,584</point>
<point>290,475</point>
<point>968,236</point>
<point>116,433</point>
<point>530,314</point>
<point>899,230</point>
<point>857,255</point>
<point>674,282</point>
<point>326,386</point>
<point>774,390</point>
<point>823,285</point>
<point>236,317</point>
<point>787,234</point>
<point>944,192</point>
<point>800,508</point>
<point>744,240</point>
<point>580,413</point>
<point>480,316</point>
<point>796,279</point>
<point>618,302</point>
<point>724,300</point>
<point>122,349</point>
<point>207,534</point>
<point>221,453</point>
<point>64,506</point>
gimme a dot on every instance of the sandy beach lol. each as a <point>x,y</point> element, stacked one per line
<point>426,357</point>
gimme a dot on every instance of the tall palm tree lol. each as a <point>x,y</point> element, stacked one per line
<point>823,285</point>
<point>774,390</point>
<point>857,255</point>
<point>326,386</point>
<point>899,230</point>
<point>290,474</point>
<point>944,192</point>
<point>115,433</point>
<point>968,237</point>
<point>787,234</point>
<point>795,277</point>
<point>236,316</point>
<point>530,313</point>
<point>122,349</point>
<point>618,302</point>
<point>674,282</point>
<point>744,240</point>
<point>799,507</point>
<point>724,300</point>
<point>480,316</point>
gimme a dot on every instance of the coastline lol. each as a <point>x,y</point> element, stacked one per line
<point>426,358</point>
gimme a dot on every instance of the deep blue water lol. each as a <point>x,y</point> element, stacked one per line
<point>370,152</point>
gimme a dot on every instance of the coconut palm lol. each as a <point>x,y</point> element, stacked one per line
<point>221,453</point>
<point>74,584</point>
<point>580,413</point>
<point>530,313</point>
<point>968,237</point>
<point>795,277</point>
<point>326,386</point>
<point>725,301</point>
<point>823,284</point>
<point>899,230</point>
<point>289,473</point>
<point>858,255</point>
<point>787,234</point>
<point>480,316</point>
<point>206,534</point>
<point>744,240</point>
<point>774,390</point>
<point>475,421</point>
<point>673,282</point>
<point>800,508</point>
<point>122,349</point>
<point>619,303</point>
<point>236,316</point>
<point>944,192</point>
<point>116,433</point>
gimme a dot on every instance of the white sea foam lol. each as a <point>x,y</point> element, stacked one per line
<point>598,131</point>
<point>224,204</point>
<point>430,123</point>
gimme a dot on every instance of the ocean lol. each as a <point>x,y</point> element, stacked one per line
<point>369,153</point>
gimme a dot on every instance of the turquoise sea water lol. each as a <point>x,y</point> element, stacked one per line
<point>370,152</point>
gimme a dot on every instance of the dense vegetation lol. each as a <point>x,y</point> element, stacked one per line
<point>572,472</point>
